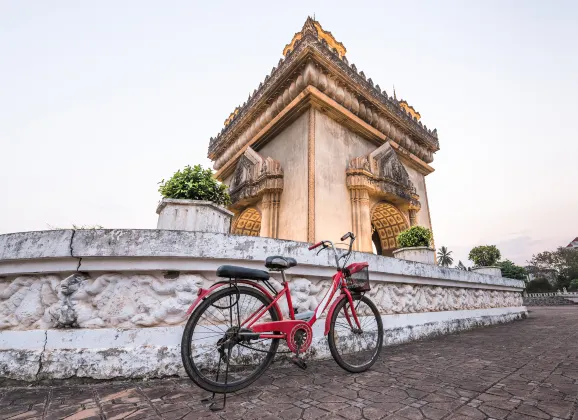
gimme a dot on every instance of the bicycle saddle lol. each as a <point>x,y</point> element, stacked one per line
<point>277,262</point>
<point>235,272</point>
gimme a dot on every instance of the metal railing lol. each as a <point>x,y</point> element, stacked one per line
<point>562,293</point>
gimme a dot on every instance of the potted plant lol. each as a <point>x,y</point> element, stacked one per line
<point>415,244</point>
<point>193,200</point>
<point>485,258</point>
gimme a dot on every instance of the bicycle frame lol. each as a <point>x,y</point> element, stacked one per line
<point>282,328</point>
<point>286,326</point>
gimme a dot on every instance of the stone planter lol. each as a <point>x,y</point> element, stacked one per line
<point>193,215</point>
<point>422,254</point>
<point>492,271</point>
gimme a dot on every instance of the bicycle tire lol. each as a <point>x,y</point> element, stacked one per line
<point>332,338</point>
<point>194,371</point>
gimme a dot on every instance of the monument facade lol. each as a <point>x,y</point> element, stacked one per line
<point>319,149</point>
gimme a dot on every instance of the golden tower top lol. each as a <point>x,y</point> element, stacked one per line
<point>321,34</point>
<point>410,110</point>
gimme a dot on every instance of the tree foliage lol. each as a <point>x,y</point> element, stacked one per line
<point>539,285</point>
<point>462,267</point>
<point>445,258</point>
<point>564,261</point>
<point>484,256</point>
<point>512,271</point>
<point>573,285</point>
<point>195,183</point>
<point>415,236</point>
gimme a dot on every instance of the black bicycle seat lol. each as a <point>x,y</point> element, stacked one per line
<point>277,262</point>
<point>235,272</point>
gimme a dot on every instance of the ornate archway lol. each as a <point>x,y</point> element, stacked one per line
<point>248,223</point>
<point>387,222</point>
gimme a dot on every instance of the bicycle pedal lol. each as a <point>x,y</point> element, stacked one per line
<point>299,362</point>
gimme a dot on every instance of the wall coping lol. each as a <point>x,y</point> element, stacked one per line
<point>183,202</point>
<point>159,250</point>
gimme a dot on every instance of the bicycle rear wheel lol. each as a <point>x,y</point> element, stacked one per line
<point>355,350</point>
<point>210,339</point>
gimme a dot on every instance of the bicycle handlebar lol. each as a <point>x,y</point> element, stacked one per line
<point>347,235</point>
<point>316,245</point>
<point>329,244</point>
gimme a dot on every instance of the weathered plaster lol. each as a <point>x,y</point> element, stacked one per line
<point>193,215</point>
<point>418,180</point>
<point>289,147</point>
<point>335,145</point>
<point>122,314</point>
<point>160,250</point>
<point>155,352</point>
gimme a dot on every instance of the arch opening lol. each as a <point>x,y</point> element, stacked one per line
<point>248,223</point>
<point>387,222</point>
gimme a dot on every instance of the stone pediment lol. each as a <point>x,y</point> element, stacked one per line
<point>382,173</point>
<point>254,176</point>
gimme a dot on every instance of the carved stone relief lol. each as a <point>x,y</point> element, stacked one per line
<point>258,179</point>
<point>382,174</point>
<point>143,300</point>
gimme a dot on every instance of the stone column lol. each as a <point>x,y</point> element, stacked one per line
<point>266,215</point>
<point>275,201</point>
<point>413,216</point>
<point>270,214</point>
<point>361,219</point>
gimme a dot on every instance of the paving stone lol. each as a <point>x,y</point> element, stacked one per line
<point>523,370</point>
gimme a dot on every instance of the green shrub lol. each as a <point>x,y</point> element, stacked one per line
<point>573,285</point>
<point>511,270</point>
<point>539,285</point>
<point>415,236</point>
<point>195,183</point>
<point>485,256</point>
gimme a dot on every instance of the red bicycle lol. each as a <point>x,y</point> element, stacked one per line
<point>235,326</point>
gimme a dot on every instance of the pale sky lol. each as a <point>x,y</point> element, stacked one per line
<point>101,100</point>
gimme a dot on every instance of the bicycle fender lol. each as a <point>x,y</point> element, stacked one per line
<point>203,293</point>
<point>330,313</point>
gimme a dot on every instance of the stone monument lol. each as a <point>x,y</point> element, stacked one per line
<point>319,149</point>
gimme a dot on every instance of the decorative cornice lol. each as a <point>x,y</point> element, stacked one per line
<point>382,173</point>
<point>264,103</point>
<point>312,75</point>
<point>255,176</point>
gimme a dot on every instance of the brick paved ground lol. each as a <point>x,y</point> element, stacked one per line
<point>524,370</point>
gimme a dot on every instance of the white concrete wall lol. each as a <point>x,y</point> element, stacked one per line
<point>155,352</point>
<point>127,292</point>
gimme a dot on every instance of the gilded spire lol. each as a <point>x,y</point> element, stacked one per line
<point>407,107</point>
<point>314,27</point>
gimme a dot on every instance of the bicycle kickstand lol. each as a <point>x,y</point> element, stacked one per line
<point>213,406</point>
<point>298,361</point>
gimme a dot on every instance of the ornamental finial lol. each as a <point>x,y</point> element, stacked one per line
<point>314,28</point>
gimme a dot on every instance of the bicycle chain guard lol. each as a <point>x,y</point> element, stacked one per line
<point>300,337</point>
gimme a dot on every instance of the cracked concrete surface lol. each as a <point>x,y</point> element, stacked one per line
<point>42,354</point>
<point>523,370</point>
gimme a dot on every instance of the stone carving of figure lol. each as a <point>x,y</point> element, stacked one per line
<point>181,292</point>
<point>24,300</point>
<point>75,307</point>
<point>303,294</point>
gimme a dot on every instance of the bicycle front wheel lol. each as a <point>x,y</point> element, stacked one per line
<point>354,349</point>
<point>215,356</point>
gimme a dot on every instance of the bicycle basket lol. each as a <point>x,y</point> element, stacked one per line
<point>358,281</point>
